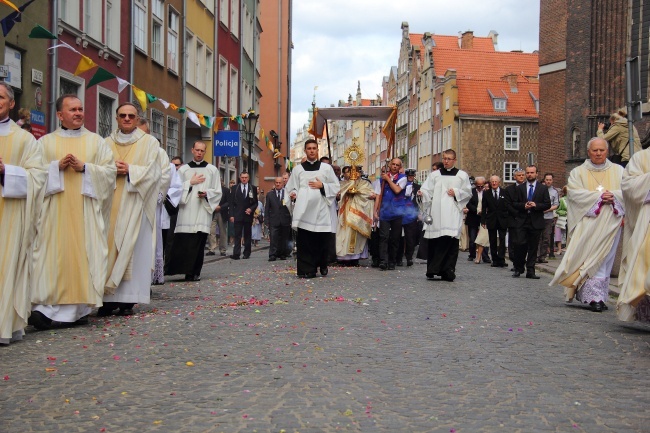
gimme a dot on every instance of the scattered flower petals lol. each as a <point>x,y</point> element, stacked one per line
<point>189,364</point>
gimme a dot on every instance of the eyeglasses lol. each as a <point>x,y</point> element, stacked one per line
<point>448,159</point>
<point>177,165</point>
<point>129,115</point>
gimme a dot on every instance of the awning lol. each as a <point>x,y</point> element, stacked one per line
<point>371,114</point>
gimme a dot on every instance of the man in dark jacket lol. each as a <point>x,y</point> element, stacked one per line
<point>495,219</point>
<point>473,218</point>
<point>243,202</point>
<point>279,220</point>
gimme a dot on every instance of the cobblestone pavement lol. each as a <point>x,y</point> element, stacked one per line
<point>251,348</point>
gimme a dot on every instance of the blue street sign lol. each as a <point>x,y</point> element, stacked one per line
<point>227,143</point>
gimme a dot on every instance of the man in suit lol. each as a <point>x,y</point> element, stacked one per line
<point>473,218</point>
<point>514,221</point>
<point>243,202</point>
<point>279,220</point>
<point>495,219</point>
<point>531,201</point>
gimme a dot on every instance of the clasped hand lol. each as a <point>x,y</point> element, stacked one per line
<point>2,166</point>
<point>315,183</point>
<point>122,167</point>
<point>607,197</point>
<point>71,161</point>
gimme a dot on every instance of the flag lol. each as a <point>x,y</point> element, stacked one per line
<point>181,110</point>
<point>141,96</point>
<point>173,107</point>
<point>165,103</point>
<point>13,18</point>
<point>151,98</point>
<point>101,75</point>
<point>39,32</point>
<point>121,84</point>
<point>85,64</point>
<point>10,4</point>
<point>193,117</point>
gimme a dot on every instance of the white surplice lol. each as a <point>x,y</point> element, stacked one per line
<point>312,210</point>
<point>446,210</point>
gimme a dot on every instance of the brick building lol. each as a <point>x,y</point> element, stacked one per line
<point>583,48</point>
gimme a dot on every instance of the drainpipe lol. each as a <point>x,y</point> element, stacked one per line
<point>131,54</point>
<point>215,69</point>
<point>289,57</point>
<point>183,78</point>
<point>241,82</point>
<point>54,60</point>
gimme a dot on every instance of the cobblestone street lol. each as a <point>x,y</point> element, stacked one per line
<point>251,348</point>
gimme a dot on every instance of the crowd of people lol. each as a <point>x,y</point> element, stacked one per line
<point>91,223</point>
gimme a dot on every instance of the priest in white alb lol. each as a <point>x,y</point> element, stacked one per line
<point>634,300</point>
<point>313,185</point>
<point>595,214</point>
<point>71,251</point>
<point>201,196</point>
<point>22,176</point>
<point>131,235</point>
<point>445,194</point>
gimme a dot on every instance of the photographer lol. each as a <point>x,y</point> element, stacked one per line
<point>617,136</point>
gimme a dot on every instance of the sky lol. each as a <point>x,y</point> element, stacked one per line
<point>340,42</point>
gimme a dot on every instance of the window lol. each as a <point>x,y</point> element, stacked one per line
<point>223,12</point>
<point>199,67</point>
<point>69,12</point>
<point>113,24</point>
<point>67,87</point>
<point>140,25</point>
<point>234,87</point>
<point>234,17</point>
<point>209,72</point>
<point>105,115</point>
<point>499,104</point>
<point>511,138</point>
<point>158,9</point>
<point>447,103</point>
<point>190,62</point>
<point>508,171</point>
<point>223,84</point>
<point>172,137</point>
<point>438,108</point>
<point>172,40</point>
<point>156,41</point>
<point>92,21</point>
<point>157,124</point>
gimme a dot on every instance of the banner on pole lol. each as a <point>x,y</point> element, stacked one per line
<point>227,143</point>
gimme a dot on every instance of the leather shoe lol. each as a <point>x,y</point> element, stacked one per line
<point>246,257</point>
<point>234,257</point>
<point>383,266</point>
<point>323,270</point>
<point>449,276</point>
<point>494,265</point>
<point>391,266</point>
<point>283,257</point>
<point>39,321</point>
<point>409,262</point>
<point>400,263</point>
<point>542,261</point>
<point>126,312</point>
<point>512,269</point>
<point>374,264</point>
<point>469,259</point>
<point>603,306</point>
<point>272,259</point>
<point>430,277</point>
<point>223,254</point>
<point>487,261</point>
<point>532,276</point>
<point>210,253</point>
<point>516,274</point>
<point>310,275</point>
<point>596,307</point>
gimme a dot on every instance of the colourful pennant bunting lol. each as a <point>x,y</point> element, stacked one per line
<point>141,96</point>
<point>85,64</point>
<point>39,32</point>
<point>101,75</point>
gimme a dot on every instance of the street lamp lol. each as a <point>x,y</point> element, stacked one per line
<point>250,123</point>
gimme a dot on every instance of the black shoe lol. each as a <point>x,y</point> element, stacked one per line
<point>487,261</point>
<point>188,277</point>
<point>603,306</point>
<point>409,262</point>
<point>323,270</point>
<point>39,321</point>
<point>532,276</point>
<point>272,259</point>
<point>196,278</point>
<point>126,312</point>
<point>374,264</point>
<point>246,257</point>
<point>513,269</point>
<point>542,261</point>
<point>383,266</point>
<point>310,275</point>
<point>391,266</point>
<point>516,274</point>
<point>400,263</point>
<point>430,277</point>
<point>471,259</point>
<point>234,257</point>
<point>596,307</point>
<point>210,253</point>
<point>283,257</point>
<point>105,311</point>
<point>223,254</point>
<point>449,276</point>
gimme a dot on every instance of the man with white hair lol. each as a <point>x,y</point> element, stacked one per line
<point>473,219</point>
<point>22,177</point>
<point>596,211</point>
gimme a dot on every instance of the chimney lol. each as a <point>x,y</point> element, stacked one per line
<point>467,40</point>
<point>358,93</point>
<point>511,79</point>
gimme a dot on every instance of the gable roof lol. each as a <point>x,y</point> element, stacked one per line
<point>481,43</point>
<point>474,97</point>
<point>484,64</point>
<point>415,39</point>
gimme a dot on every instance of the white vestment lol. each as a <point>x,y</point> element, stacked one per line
<point>131,239</point>
<point>195,213</point>
<point>157,274</point>
<point>20,203</point>
<point>446,210</point>
<point>312,210</point>
<point>633,301</point>
<point>354,220</point>
<point>71,250</point>
<point>592,232</point>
